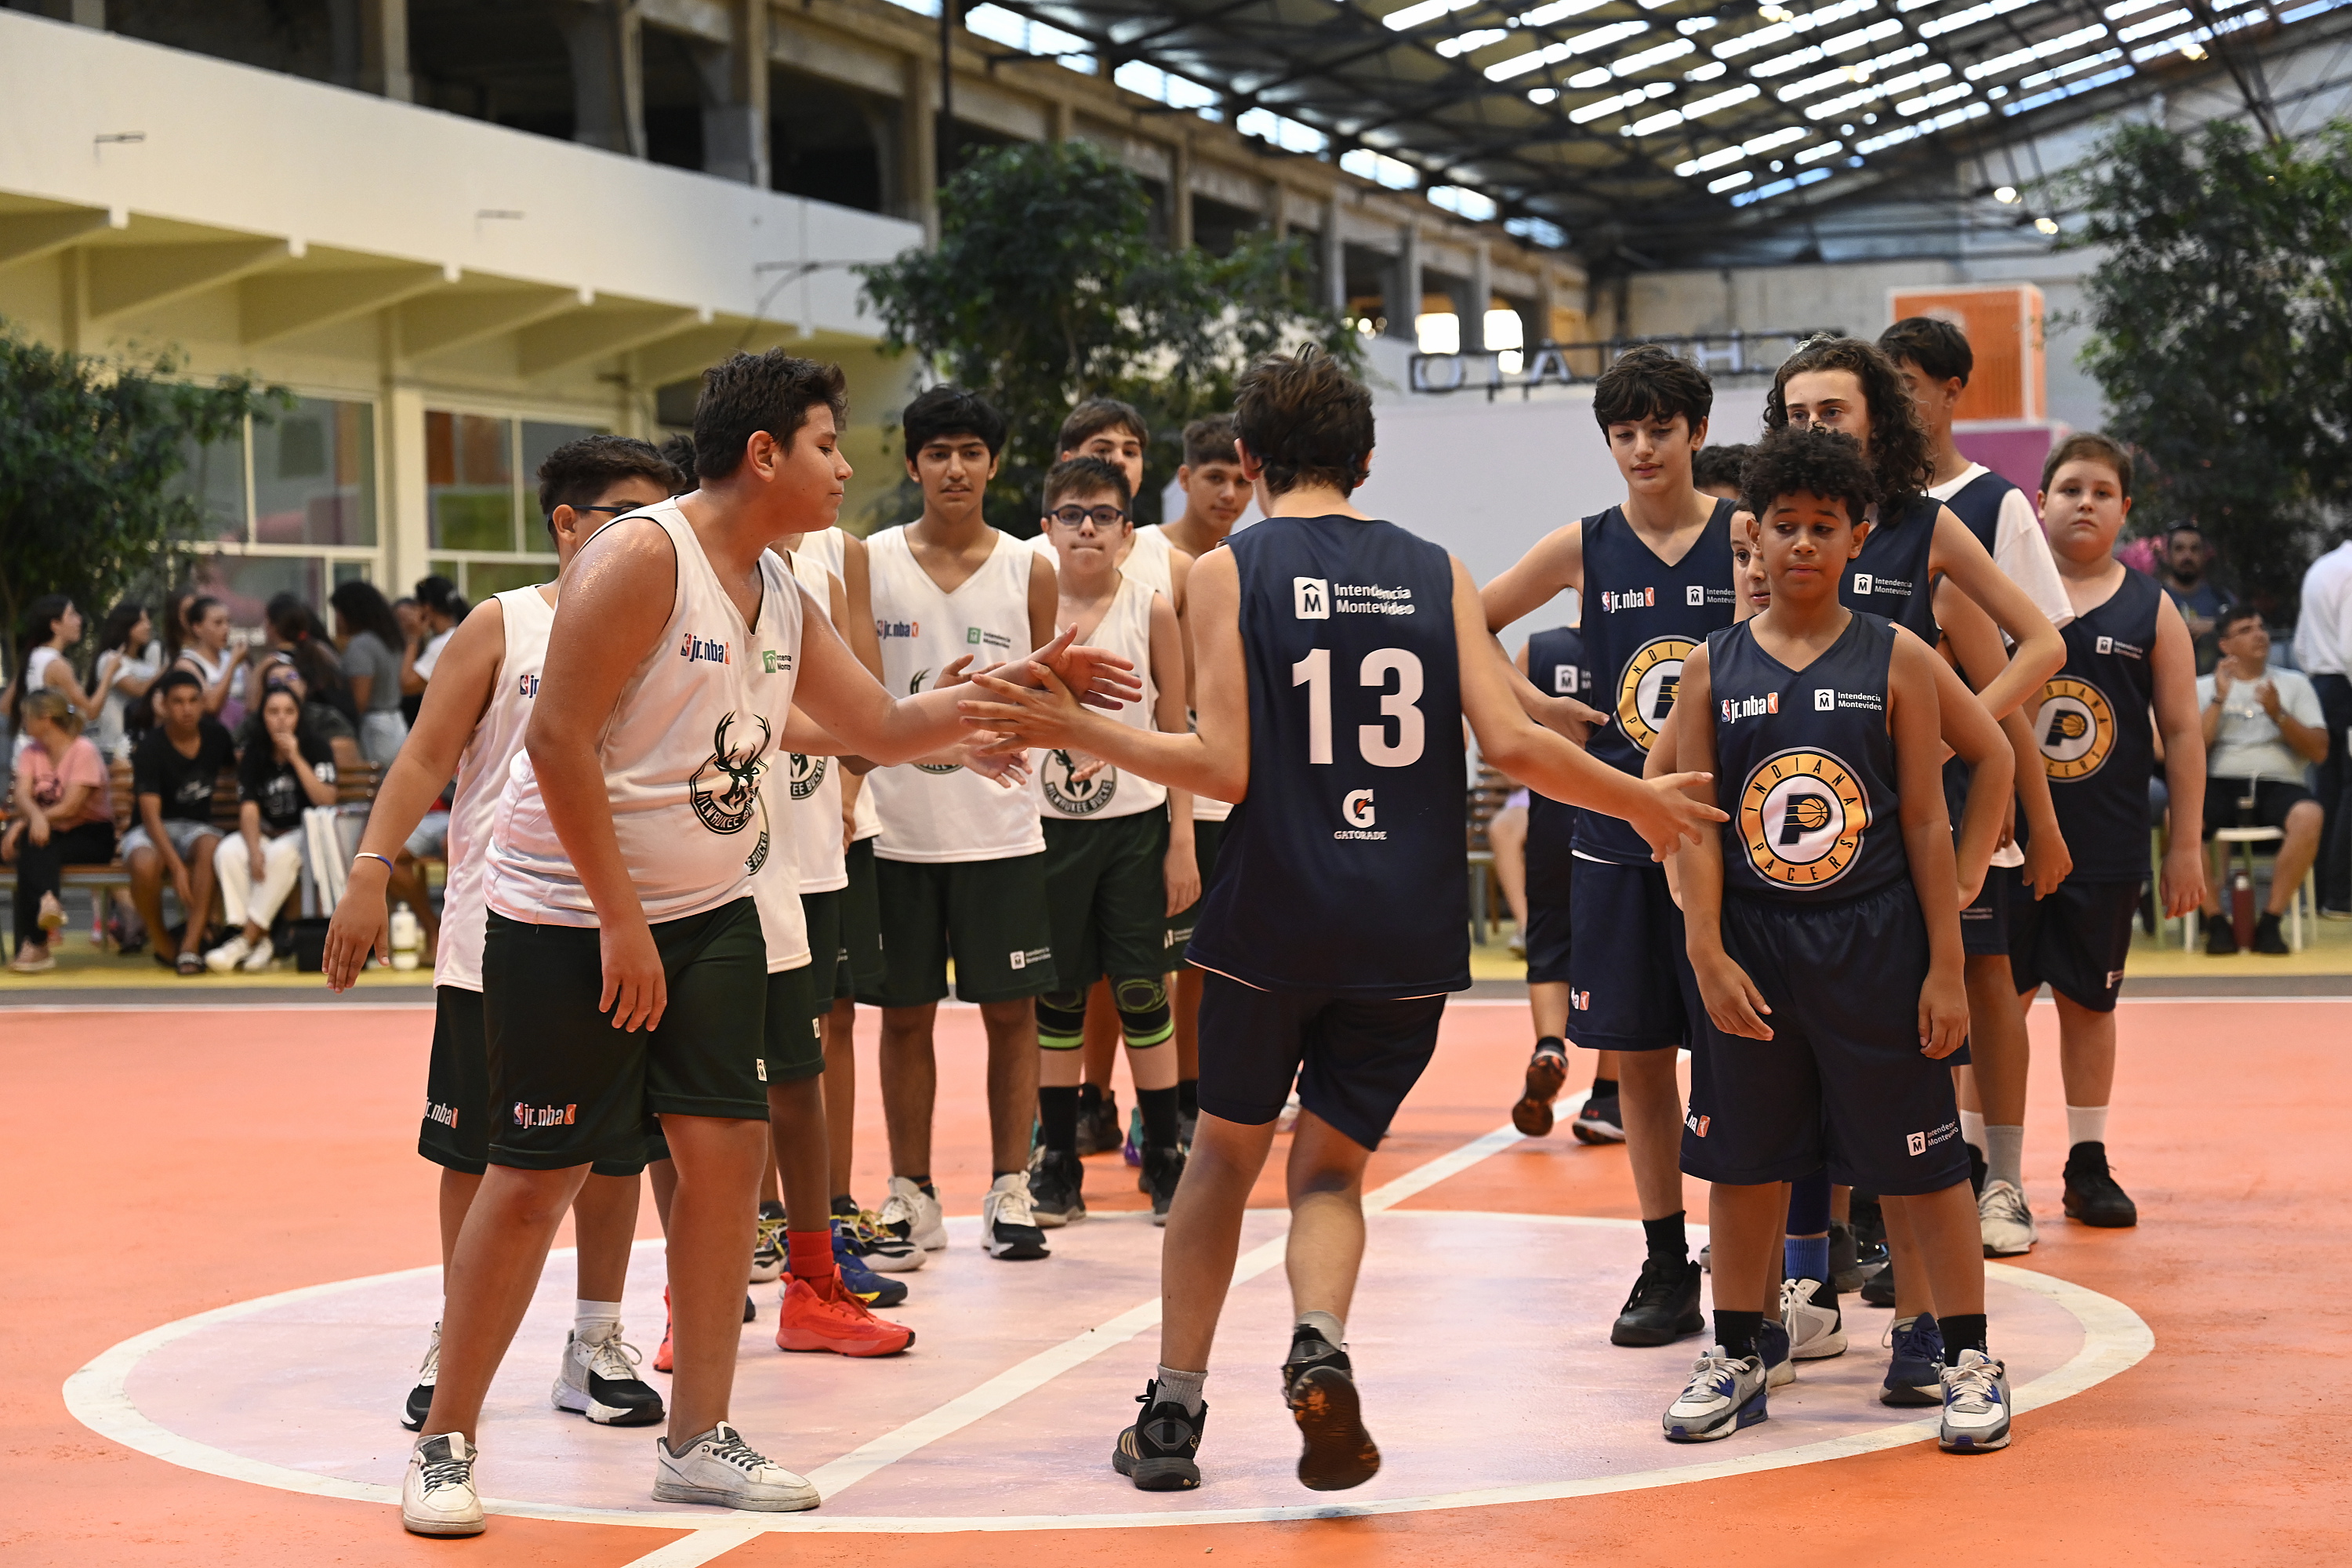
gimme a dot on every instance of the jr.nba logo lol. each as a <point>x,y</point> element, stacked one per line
<point>1310,598</point>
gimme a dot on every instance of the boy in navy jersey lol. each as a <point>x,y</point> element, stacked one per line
<point>1654,573</point>
<point>1824,935</point>
<point>1335,657</point>
<point>2127,651</point>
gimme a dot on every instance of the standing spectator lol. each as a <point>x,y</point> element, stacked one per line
<point>207,653</point>
<point>172,775</point>
<point>2186,558</point>
<point>377,659</point>
<point>439,611</point>
<point>51,626</point>
<point>128,659</point>
<point>2262,727</point>
<point>2322,647</point>
<point>64,817</point>
<point>286,771</point>
<point>296,638</point>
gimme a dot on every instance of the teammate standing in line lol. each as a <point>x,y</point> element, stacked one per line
<point>469,727</point>
<point>2129,657</point>
<point>1118,854</point>
<point>1335,657</point>
<point>1655,576</point>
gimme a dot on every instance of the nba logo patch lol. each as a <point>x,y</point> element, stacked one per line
<point>1861,581</point>
<point>1916,1142</point>
<point>1824,698</point>
<point>1580,999</point>
<point>760,1065</point>
<point>1310,598</point>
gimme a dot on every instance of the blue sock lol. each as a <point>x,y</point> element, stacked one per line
<point>1806,1257</point>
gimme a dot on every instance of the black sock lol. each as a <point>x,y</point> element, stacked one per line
<point>1736,1331</point>
<point>1604,1088</point>
<point>771,1208</point>
<point>924,1182</point>
<point>843,1207</point>
<point>1188,1095</point>
<point>1553,1044</point>
<point>1962,1331</point>
<point>1159,1129</point>
<point>1090,1098</point>
<point>1058,1118</point>
<point>1669,1242</point>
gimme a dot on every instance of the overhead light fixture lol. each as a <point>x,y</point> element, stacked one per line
<point>2005,195</point>
<point>2046,225</point>
<point>1772,12</point>
<point>2193,50</point>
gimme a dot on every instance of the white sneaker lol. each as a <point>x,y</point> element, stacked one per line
<point>767,1249</point>
<point>1723,1395</point>
<point>420,1398</point>
<point>228,954</point>
<point>882,1249</point>
<point>721,1467</point>
<point>2007,1223</point>
<point>436,1496</point>
<point>1008,1224</point>
<point>913,1214</point>
<point>1815,1333</point>
<point>1976,1405</point>
<point>259,960</point>
<point>599,1380</point>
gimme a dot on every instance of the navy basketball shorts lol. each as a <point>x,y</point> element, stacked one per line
<point>455,1130</point>
<point>1841,1083</point>
<point>1354,1059</point>
<point>2077,940</point>
<point>1630,984</point>
<point>1984,925</point>
<point>1548,923</point>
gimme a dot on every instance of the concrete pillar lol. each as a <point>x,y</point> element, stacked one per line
<point>1482,294</point>
<point>735,98</point>
<point>606,40</point>
<point>1547,299</point>
<point>1065,120</point>
<point>384,50</point>
<point>401,460</point>
<point>1335,257</point>
<point>80,13</point>
<point>1277,209</point>
<point>1179,194</point>
<point>1406,276</point>
<point>918,146</point>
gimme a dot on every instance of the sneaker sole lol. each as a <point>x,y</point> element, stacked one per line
<point>1056,1221</point>
<point>1754,1413</point>
<point>1017,1252</point>
<point>792,1503</point>
<point>894,1262</point>
<point>1780,1375</point>
<point>859,1352</point>
<point>1992,1251</point>
<point>2097,1222</point>
<point>1637,1337</point>
<point>441,1527</point>
<point>1595,1132</point>
<point>767,1274</point>
<point>1819,1350</point>
<point>1340,1453</point>
<point>1904,1396</point>
<point>1532,1115</point>
<point>1161,1474</point>
<point>573,1401</point>
<point>1970,1444</point>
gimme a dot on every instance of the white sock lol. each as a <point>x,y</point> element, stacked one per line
<point>1972,1130</point>
<point>1181,1388</point>
<point>1325,1324</point>
<point>2005,1155</point>
<point>596,1321</point>
<point>2087,1124</point>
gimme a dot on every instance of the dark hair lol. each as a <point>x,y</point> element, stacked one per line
<point>1718,465</point>
<point>1650,383</point>
<point>170,680</point>
<point>39,625</point>
<point>576,473</point>
<point>1096,414</point>
<point>744,393</point>
<point>2089,445</point>
<point>1898,456</point>
<point>361,606</point>
<point>1209,440</point>
<point>950,411</point>
<point>440,595</point>
<point>2184,528</point>
<point>678,449</point>
<point>311,651</point>
<point>200,606</point>
<point>1086,477</point>
<point>114,633</point>
<point>1307,421</point>
<point>1803,461</point>
<point>175,629</point>
<point>2231,614</point>
<point>1937,347</point>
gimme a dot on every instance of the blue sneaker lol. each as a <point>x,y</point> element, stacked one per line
<point>1132,1150</point>
<point>1725,1396</point>
<point>1976,1405</point>
<point>1772,1347</point>
<point>859,1280</point>
<point>1915,1375</point>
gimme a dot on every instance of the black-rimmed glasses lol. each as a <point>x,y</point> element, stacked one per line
<point>1104,518</point>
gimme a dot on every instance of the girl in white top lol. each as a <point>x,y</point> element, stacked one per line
<point>130,658</point>
<point>208,653</point>
<point>54,625</point>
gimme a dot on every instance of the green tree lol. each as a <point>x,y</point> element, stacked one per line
<point>1047,287</point>
<point>2220,335</point>
<point>90,449</point>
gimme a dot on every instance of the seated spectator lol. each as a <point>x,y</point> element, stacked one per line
<point>172,775</point>
<point>323,722</point>
<point>296,638</point>
<point>64,817</point>
<point>284,772</point>
<point>129,656</point>
<point>2263,728</point>
<point>377,657</point>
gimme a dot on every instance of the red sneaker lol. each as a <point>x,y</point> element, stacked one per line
<point>661,1356</point>
<point>821,1315</point>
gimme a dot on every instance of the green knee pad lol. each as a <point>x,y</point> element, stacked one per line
<point>1062,1020</point>
<point>1143,1012</point>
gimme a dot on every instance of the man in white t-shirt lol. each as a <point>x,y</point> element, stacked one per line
<point>2322,648</point>
<point>2263,728</point>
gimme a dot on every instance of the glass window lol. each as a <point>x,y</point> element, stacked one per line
<point>539,439</point>
<point>214,477</point>
<point>314,475</point>
<point>484,578</point>
<point>470,492</point>
<point>245,583</point>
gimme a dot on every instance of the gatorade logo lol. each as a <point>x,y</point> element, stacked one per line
<point>1645,691</point>
<point>1802,814</point>
<point>1310,598</point>
<point>2077,729</point>
<point>1357,808</point>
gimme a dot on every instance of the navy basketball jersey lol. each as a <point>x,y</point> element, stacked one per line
<point>1805,766</point>
<point>1889,577</point>
<point>1978,504</point>
<point>2098,743</point>
<point>1642,619</point>
<point>1345,869</point>
<point>1556,664</point>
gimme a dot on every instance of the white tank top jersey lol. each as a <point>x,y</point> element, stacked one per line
<point>1147,560</point>
<point>696,725</point>
<point>1125,630</point>
<point>482,770</point>
<point>815,782</point>
<point>776,885</point>
<point>826,549</point>
<point>950,814</point>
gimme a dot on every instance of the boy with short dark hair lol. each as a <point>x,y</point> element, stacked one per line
<point>1715,470</point>
<point>172,775</point>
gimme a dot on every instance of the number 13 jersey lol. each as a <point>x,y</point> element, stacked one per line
<point>1344,869</point>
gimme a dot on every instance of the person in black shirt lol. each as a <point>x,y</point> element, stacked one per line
<point>285,771</point>
<point>172,774</point>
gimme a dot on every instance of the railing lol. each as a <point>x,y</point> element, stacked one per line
<point>1735,353</point>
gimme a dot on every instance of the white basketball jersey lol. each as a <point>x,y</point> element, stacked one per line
<point>948,814</point>
<point>826,549</point>
<point>1147,559</point>
<point>815,782</point>
<point>1125,630</point>
<point>481,777</point>
<point>682,756</point>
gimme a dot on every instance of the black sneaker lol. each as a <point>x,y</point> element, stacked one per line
<point>1158,1452</point>
<point>1846,1273</point>
<point>1547,1070</point>
<point>1056,1184</point>
<point>1098,1128</point>
<point>1162,1169</point>
<point>1976,1169</point>
<point>2221,937</point>
<point>2091,1196</point>
<point>1599,1123</point>
<point>420,1397</point>
<point>1879,1291</point>
<point>2267,937</point>
<point>1663,1307</point>
<point>1319,1385</point>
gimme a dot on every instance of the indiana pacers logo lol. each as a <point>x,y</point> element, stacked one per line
<point>1072,796</point>
<point>1645,692</point>
<point>922,678</point>
<point>1802,816</point>
<point>2077,729</point>
<point>807,774</point>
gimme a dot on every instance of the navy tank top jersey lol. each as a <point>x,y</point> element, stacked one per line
<point>1343,870</point>
<point>1642,619</point>
<point>1978,504</point>
<point>1556,665</point>
<point>1889,577</point>
<point>1806,767</point>
<point>2098,744</point>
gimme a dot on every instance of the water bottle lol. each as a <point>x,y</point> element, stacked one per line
<point>407,938</point>
<point>2242,908</point>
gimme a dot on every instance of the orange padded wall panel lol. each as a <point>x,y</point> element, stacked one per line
<point>2004,322</point>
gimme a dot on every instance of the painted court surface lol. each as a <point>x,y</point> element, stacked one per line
<point>254,1171</point>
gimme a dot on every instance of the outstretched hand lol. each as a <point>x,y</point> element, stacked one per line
<point>1045,716</point>
<point>1671,816</point>
<point>1100,677</point>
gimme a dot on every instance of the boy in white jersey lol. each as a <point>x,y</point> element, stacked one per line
<point>470,727</point>
<point>1119,857</point>
<point>625,962</point>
